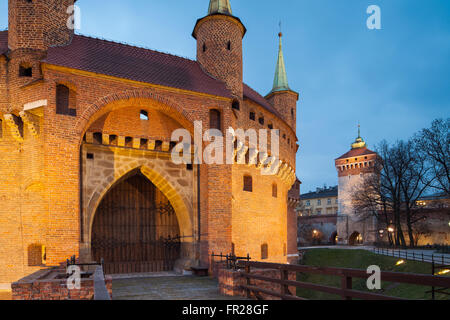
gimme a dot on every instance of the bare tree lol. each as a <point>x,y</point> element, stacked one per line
<point>414,181</point>
<point>381,191</point>
<point>434,142</point>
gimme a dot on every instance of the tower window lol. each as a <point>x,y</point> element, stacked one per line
<point>261,120</point>
<point>144,115</point>
<point>264,251</point>
<point>252,116</point>
<point>235,105</point>
<point>65,101</point>
<point>270,126</point>
<point>214,119</point>
<point>25,71</point>
<point>274,191</point>
<point>229,45</point>
<point>248,184</point>
<point>204,47</point>
<point>292,113</point>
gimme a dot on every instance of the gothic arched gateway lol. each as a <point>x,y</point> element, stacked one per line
<point>135,228</point>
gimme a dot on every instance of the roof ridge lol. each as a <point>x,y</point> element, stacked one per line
<point>123,43</point>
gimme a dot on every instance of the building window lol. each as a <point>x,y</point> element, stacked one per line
<point>252,116</point>
<point>65,101</point>
<point>248,184</point>
<point>261,120</point>
<point>214,119</point>
<point>319,211</point>
<point>308,203</point>
<point>292,113</point>
<point>274,191</point>
<point>144,115</point>
<point>319,202</point>
<point>229,45</point>
<point>235,105</point>
<point>329,201</point>
<point>204,47</point>
<point>36,255</point>
<point>25,71</point>
<point>270,126</point>
<point>264,251</point>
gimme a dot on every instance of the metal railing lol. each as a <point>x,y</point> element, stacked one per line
<point>100,289</point>
<point>345,291</point>
<point>228,260</point>
<point>414,255</point>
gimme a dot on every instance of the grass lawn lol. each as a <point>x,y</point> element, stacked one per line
<point>361,259</point>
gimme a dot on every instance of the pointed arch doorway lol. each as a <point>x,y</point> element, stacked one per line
<point>135,228</point>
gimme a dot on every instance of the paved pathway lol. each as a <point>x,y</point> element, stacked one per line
<point>169,287</point>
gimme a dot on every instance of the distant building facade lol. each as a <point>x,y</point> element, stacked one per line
<point>323,201</point>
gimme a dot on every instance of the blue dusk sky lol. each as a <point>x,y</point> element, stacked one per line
<point>394,81</point>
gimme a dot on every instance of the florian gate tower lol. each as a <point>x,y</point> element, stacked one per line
<point>85,145</point>
<point>352,168</point>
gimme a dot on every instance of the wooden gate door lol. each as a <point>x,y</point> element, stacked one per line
<point>135,229</point>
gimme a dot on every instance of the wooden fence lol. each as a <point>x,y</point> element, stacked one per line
<point>347,275</point>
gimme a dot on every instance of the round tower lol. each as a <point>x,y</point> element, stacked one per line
<point>219,45</point>
<point>37,25</point>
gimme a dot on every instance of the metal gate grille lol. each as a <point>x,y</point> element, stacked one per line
<point>135,229</point>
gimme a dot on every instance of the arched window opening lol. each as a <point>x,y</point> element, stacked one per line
<point>236,105</point>
<point>25,71</point>
<point>144,115</point>
<point>261,120</point>
<point>204,47</point>
<point>274,191</point>
<point>65,101</point>
<point>215,119</point>
<point>248,184</point>
<point>252,116</point>
<point>264,251</point>
<point>229,45</point>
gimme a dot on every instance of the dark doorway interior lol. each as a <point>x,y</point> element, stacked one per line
<point>135,229</point>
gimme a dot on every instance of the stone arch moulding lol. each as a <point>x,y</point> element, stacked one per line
<point>140,98</point>
<point>180,204</point>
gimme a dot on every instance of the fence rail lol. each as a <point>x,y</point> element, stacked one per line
<point>345,291</point>
<point>414,255</point>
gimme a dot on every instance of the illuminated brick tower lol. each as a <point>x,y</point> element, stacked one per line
<point>352,167</point>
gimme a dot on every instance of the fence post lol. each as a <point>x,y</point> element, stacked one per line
<point>247,270</point>
<point>432,273</point>
<point>284,275</point>
<point>346,284</point>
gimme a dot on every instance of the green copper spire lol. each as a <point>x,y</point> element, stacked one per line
<point>280,83</point>
<point>359,142</point>
<point>219,6</point>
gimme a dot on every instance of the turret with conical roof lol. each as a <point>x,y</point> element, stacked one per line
<point>281,96</point>
<point>219,45</point>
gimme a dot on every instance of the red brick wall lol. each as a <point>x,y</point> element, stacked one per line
<point>49,289</point>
